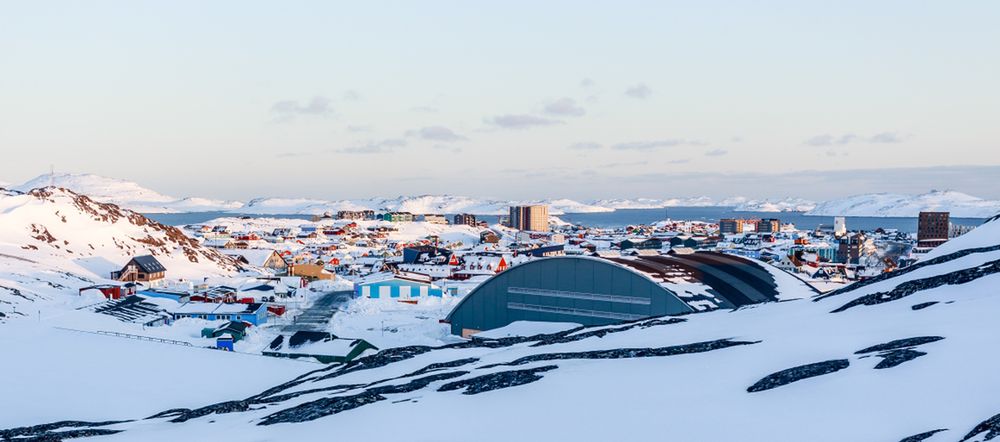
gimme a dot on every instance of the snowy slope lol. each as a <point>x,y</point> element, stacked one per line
<point>738,202</point>
<point>126,194</point>
<point>780,205</point>
<point>654,203</point>
<point>443,204</point>
<point>909,354</point>
<point>54,241</point>
<point>889,204</point>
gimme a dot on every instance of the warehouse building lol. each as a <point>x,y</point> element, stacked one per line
<point>599,291</point>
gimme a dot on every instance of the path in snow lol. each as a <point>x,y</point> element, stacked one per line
<point>316,317</point>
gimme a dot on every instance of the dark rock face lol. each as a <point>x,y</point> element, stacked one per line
<point>923,305</point>
<point>416,384</point>
<point>321,407</point>
<point>575,334</point>
<point>910,287</point>
<point>900,343</point>
<point>919,265</point>
<point>794,374</point>
<point>496,381</point>
<point>71,430</point>
<point>899,351</point>
<point>220,408</point>
<point>626,353</point>
<point>922,436</point>
<point>989,426</point>
<point>895,357</point>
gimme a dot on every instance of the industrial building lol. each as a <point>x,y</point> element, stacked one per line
<point>599,291</point>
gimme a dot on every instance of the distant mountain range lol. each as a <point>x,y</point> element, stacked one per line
<point>900,205</point>
<point>135,197</point>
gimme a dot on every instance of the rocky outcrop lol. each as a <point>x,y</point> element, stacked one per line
<point>795,374</point>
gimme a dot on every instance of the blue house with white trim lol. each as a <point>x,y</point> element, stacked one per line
<point>402,286</point>
<point>255,313</point>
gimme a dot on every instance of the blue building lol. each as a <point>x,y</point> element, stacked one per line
<point>398,286</point>
<point>175,295</point>
<point>255,313</point>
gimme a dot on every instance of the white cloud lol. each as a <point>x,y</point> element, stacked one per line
<point>436,133</point>
<point>288,109</point>
<point>564,107</point>
<point>640,91</point>
<point>372,147</point>
<point>585,146</point>
<point>521,121</point>
<point>849,138</point>
<point>655,144</point>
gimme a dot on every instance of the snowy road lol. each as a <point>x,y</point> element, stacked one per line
<point>317,316</point>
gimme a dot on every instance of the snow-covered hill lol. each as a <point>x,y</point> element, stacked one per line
<point>655,203</point>
<point>889,204</point>
<point>907,356</point>
<point>126,194</point>
<point>444,204</point>
<point>780,205</point>
<point>53,241</point>
<point>739,203</point>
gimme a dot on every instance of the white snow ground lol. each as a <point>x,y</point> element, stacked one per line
<point>633,394</point>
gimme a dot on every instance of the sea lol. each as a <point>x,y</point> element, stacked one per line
<point>626,217</point>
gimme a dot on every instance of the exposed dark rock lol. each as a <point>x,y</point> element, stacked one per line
<point>416,384</point>
<point>989,426</point>
<point>441,365</point>
<point>284,397</point>
<point>910,287</point>
<point>321,408</point>
<point>923,305</point>
<point>576,335</point>
<point>169,413</point>
<point>895,357</point>
<point>922,436</point>
<point>900,343</point>
<point>799,373</point>
<point>220,408</point>
<point>496,381</point>
<point>903,271</point>
<point>45,431</point>
<point>625,353</point>
<point>380,359</point>
<point>71,434</point>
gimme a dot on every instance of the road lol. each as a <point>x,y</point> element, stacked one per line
<point>316,317</point>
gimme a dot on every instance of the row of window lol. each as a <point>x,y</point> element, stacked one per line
<point>574,311</point>
<point>579,295</point>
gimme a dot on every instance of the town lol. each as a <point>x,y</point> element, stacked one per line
<point>293,270</point>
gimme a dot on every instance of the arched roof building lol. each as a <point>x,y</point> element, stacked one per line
<point>598,291</point>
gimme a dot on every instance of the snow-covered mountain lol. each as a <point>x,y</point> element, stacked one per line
<point>53,240</point>
<point>909,355</point>
<point>655,203</point>
<point>781,205</point>
<point>125,194</point>
<point>739,203</point>
<point>890,204</point>
<point>414,204</point>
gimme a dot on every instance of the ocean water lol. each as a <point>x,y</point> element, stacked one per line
<point>625,217</point>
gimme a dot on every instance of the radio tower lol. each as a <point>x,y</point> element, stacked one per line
<point>52,175</point>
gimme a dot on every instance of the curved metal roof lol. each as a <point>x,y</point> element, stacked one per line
<point>594,290</point>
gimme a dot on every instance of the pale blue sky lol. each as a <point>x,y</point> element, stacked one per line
<point>237,99</point>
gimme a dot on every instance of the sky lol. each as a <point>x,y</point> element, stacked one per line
<point>518,100</point>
